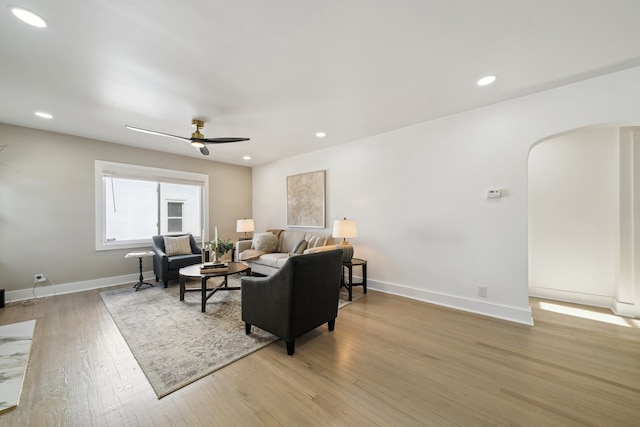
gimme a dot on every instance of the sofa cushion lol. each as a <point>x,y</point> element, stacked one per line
<point>267,242</point>
<point>272,259</point>
<point>180,245</point>
<point>289,239</point>
<point>281,261</point>
<point>179,261</point>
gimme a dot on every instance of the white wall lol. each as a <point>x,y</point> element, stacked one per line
<point>573,208</point>
<point>418,194</point>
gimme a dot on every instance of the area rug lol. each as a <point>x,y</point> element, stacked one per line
<point>175,343</point>
<point>15,347</point>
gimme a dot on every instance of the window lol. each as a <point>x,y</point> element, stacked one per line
<point>174,217</point>
<point>134,203</point>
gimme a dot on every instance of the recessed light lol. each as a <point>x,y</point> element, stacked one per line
<point>43,115</point>
<point>246,157</point>
<point>487,80</point>
<point>28,17</point>
<point>320,134</point>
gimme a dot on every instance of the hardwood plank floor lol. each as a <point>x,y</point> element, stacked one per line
<point>390,361</point>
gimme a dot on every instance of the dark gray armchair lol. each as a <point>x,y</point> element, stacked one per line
<point>167,267</point>
<point>299,297</point>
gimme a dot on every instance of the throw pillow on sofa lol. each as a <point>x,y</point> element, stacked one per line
<point>299,248</point>
<point>316,242</point>
<point>267,242</point>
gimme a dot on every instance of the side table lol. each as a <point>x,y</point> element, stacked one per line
<point>355,262</point>
<point>140,255</point>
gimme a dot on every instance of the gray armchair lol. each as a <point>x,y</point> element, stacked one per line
<point>167,267</point>
<point>299,297</point>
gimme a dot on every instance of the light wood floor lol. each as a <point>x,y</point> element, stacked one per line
<point>390,361</point>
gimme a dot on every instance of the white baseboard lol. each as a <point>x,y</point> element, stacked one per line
<point>617,307</point>
<point>48,288</point>
<point>512,314</point>
<point>569,296</point>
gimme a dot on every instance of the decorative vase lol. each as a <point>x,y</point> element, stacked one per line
<point>224,256</point>
<point>215,255</point>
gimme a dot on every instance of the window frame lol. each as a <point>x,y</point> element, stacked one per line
<point>148,173</point>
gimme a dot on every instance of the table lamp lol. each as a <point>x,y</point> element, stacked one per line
<point>345,228</point>
<point>245,226</point>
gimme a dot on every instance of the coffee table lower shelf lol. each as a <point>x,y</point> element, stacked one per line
<point>193,271</point>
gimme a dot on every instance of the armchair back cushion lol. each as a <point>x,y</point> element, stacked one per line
<point>302,295</point>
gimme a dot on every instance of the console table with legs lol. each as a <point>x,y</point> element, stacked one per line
<point>348,282</point>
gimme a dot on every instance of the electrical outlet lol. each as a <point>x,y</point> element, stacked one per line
<point>39,277</point>
<point>482,291</point>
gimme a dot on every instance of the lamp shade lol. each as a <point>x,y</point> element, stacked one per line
<point>344,228</point>
<point>245,226</point>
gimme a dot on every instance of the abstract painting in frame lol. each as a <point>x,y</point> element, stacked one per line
<point>305,200</point>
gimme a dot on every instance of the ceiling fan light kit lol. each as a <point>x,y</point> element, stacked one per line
<point>196,136</point>
<point>197,139</point>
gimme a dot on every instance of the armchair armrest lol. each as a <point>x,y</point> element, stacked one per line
<point>195,249</point>
<point>159,252</point>
<point>160,257</point>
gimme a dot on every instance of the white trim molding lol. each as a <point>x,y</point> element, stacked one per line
<point>616,307</point>
<point>503,312</point>
<point>48,289</point>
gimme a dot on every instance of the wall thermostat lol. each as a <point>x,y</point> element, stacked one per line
<point>493,194</point>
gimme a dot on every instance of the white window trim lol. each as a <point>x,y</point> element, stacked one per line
<point>143,172</point>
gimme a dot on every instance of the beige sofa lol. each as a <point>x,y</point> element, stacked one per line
<point>266,260</point>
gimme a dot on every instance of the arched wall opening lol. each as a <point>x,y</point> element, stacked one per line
<point>583,217</point>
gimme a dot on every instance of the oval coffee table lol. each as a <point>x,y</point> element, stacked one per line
<point>193,271</point>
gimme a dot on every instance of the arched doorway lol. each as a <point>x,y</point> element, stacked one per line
<point>581,217</point>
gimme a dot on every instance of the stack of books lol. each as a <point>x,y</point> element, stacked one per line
<point>210,267</point>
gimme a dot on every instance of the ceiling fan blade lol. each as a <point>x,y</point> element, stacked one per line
<point>153,132</point>
<point>220,140</point>
<point>204,150</point>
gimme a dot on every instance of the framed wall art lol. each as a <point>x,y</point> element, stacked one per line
<point>305,200</point>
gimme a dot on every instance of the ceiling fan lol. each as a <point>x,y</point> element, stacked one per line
<point>197,139</point>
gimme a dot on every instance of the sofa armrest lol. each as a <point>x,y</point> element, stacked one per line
<point>320,249</point>
<point>241,246</point>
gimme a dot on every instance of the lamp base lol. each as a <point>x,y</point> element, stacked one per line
<point>347,251</point>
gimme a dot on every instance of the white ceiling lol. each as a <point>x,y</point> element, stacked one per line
<point>278,71</point>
